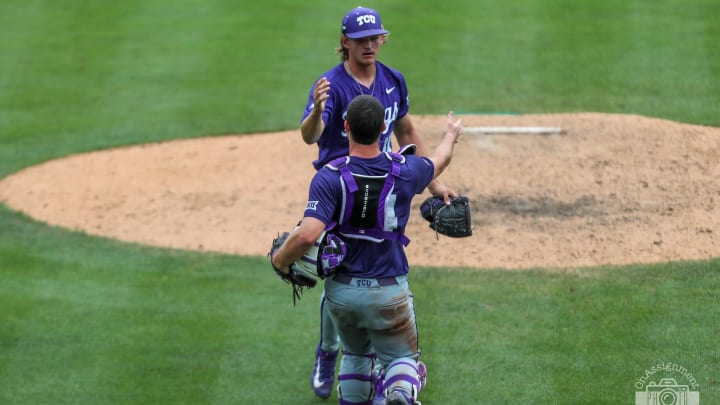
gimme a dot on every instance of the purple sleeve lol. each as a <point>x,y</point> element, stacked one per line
<point>322,198</point>
<point>424,169</point>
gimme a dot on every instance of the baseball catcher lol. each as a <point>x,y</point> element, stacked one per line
<point>448,219</point>
<point>320,261</point>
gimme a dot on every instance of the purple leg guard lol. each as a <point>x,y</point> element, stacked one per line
<point>403,375</point>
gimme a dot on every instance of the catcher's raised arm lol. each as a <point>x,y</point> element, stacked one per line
<point>407,136</point>
<point>443,152</point>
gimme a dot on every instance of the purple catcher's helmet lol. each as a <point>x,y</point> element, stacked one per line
<point>323,258</point>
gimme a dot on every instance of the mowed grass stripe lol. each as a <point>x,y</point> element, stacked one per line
<point>587,334</point>
<point>151,87</point>
<point>52,345</point>
<point>672,56</point>
<point>55,88</point>
<point>149,330</point>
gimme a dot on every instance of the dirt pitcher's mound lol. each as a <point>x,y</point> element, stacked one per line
<point>613,189</point>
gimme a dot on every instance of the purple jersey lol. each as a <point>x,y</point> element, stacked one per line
<point>389,87</point>
<point>366,258</point>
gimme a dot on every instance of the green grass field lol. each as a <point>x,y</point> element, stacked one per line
<point>85,320</point>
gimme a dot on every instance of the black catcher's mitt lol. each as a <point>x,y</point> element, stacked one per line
<point>451,220</point>
<point>298,279</point>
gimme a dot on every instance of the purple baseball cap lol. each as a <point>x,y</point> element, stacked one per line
<point>362,22</point>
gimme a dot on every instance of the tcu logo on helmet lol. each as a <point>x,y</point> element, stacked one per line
<point>366,18</point>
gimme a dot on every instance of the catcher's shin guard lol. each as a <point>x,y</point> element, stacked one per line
<point>403,375</point>
<point>355,381</point>
<point>346,402</point>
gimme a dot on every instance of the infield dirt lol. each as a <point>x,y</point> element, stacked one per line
<point>614,189</point>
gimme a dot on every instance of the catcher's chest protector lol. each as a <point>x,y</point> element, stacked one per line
<point>368,208</point>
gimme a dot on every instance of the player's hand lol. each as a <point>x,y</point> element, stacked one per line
<point>453,126</point>
<point>321,94</point>
<point>439,189</point>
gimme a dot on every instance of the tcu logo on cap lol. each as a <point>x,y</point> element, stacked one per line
<point>366,18</point>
